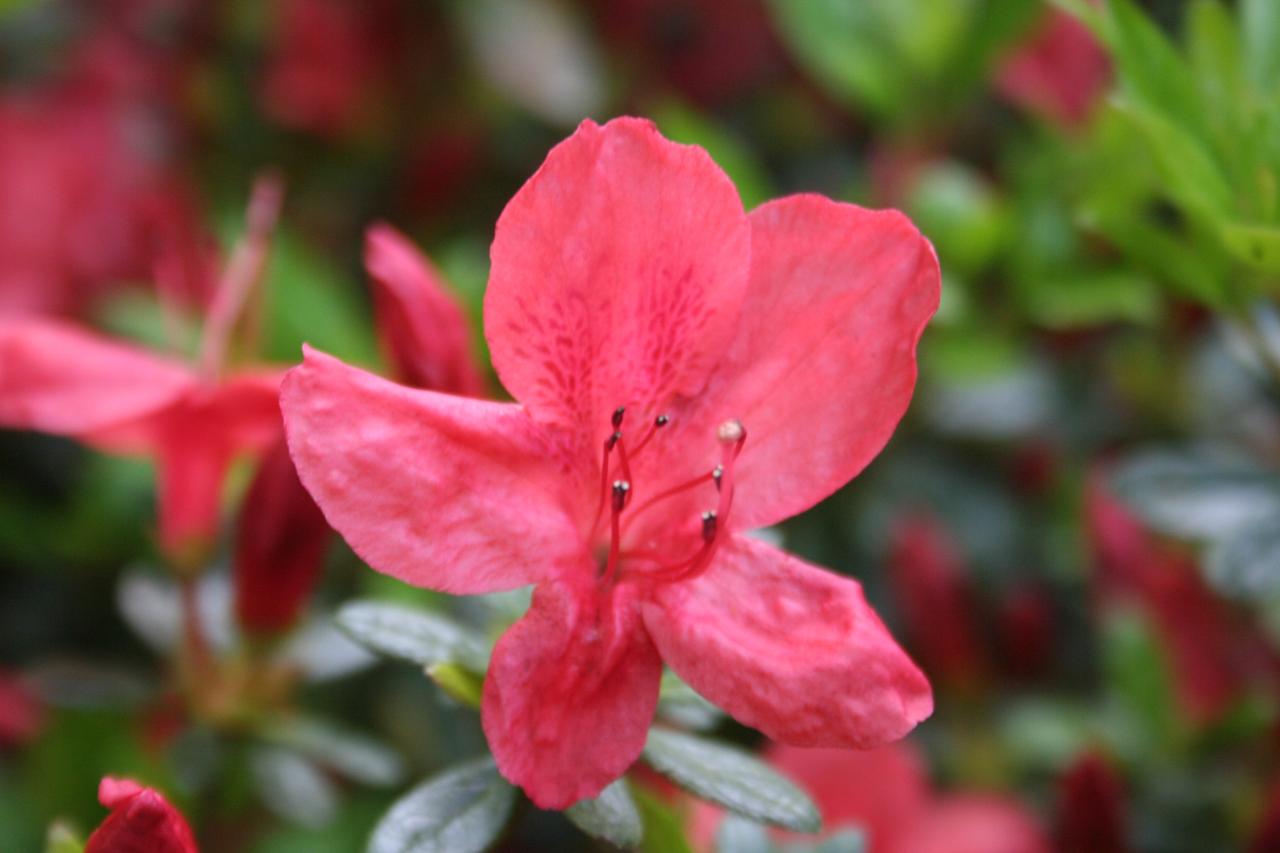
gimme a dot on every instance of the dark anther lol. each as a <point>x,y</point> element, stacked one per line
<point>612,440</point>
<point>717,474</point>
<point>661,421</point>
<point>617,416</point>
<point>708,525</point>
<point>620,490</point>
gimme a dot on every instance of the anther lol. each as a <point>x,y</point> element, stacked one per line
<point>618,413</point>
<point>621,489</point>
<point>709,526</point>
<point>717,474</point>
<point>730,432</point>
<point>612,440</point>
<point>661,421</point>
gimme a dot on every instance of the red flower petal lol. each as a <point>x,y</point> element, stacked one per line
<point>570,693</point>
<point>423,329</point>
<point>445,492</point>
<point>280,546</point>
<point>141,821</point>
<point>59,379</point>
<point>790,649</point>
<point>823,364</point>
<point>618,270</point>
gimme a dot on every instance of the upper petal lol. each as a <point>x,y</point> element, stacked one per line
<point>790,649</point>
<point>444,492</point>
<point>824,362</point>
<point>57,378</point>
<point>423,329</point>
<point>618,271</point>
<point>570,692</point>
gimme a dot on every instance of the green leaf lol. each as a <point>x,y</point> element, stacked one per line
<point>612,816</point>
<point>61,839</point>
<point>1246,565</point>
<point>1257,246</point>
<point>354,755</point>
<point>1214,48</point>
<point>739,835</point>
<point>1192,177</point>
<point>679,703</point>
<point>1260,36</point>
<point>412,635</point>
<point>663,825</point>
<point>1198,494</point>
<point>1152,73</point>
<point>461,684</point>
<point>732,778</point>
<point>462,810</point>
<point>1090,298</point>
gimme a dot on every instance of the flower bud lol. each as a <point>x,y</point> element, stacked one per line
<point>140,820</point>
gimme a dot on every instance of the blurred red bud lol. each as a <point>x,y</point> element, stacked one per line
<point>280,546</point>
<point>141,821</point>
<point>935,596</point>
<point>1091,811</point>
<point>21,712</point>
<point>1025,626</point>
<point>1060,71</point>
<point>423,329</point>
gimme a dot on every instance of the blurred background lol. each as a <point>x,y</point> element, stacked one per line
<point>1076,531</point>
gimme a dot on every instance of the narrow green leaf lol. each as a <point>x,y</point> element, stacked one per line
<point>1151,71</point>
<point>1192,177</point>
<point>1246,565</point>
<point>612,816</point>
<point>463,685</point>
<point>351,754</point>
<point>462,810</point>
<point>1257,246</point>
<point>732,778</point>
<point>1260,37</point>
<point>412,635</point>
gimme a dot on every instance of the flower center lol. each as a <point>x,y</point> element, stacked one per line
<point>617,491</point>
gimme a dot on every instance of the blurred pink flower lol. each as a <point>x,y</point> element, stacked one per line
<point>885,793</point>
<point>141,821</point>
<point>193,420</point>
<point>1059,72</point>
<point>646,324</point>
<point>327,60</point>
<point>1214,654</point>
<point>936,598</point>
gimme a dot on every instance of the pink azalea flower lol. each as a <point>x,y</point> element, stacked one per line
<point>141,821</point>
<point>1059,72</point>
<point>885,793</point>
<point>117,397</point>
<point>685,373</point>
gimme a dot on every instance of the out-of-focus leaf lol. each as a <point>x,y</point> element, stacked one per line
<point>845,841</point>
<point>1197,494</point>
<point>461,684</point>
<point>307,302</point>
<point>739,835</point>
<point>1214,48</point>
<point>62,839</point>
<point>538,55</point>
<point>1151,72</point>
<point>679,703</point>
<point>412,635</point>
<point>352,754</point>
<point>1245,565</point>
<point>1258,246</point>
<point>611,816</point>
<point>1091,298</point>
<point>682,123</point>
<point>732,778</point>
<point>1138,674</point>
<point>323,652</point>
<point>151,605</point>
<point>293,787</point>
<point>1260,37</point>
<point>462,810</point>
<point>663,827</point>
<point>1192,178</point>
<point>961,214</point>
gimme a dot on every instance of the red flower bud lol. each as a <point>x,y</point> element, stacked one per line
<point>935,597</point>
<point>1091,812</point>
<point>280,546</point>
<point>141,821</point>
<point>21,714</point>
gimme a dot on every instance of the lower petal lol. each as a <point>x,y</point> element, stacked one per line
<point>790,649</point>
<point>570,693</point>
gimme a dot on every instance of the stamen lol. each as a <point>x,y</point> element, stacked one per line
<point>620,490</point>
<point>658,423</point>
<point>674,490</point>
<point>709,526</point>
<point>618,414</point>
<point>717,474</point>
